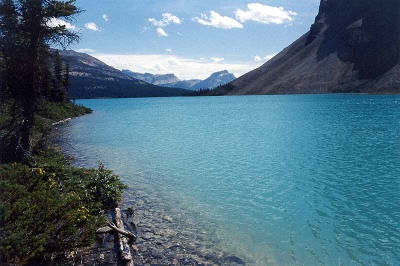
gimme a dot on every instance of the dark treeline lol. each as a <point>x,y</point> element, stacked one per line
<point>30,71</point>
<point>217,91</point>
<point>201,92</point>
<point>83,87</point>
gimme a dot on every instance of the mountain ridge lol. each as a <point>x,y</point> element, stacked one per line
<point>170,80</point>
<point>92,78</point>
<point>353,46</point>
<point>216,79</point>
<point>152,78</point>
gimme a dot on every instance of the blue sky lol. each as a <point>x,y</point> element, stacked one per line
<point>190,38</point>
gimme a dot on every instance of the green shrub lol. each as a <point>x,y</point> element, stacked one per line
<point>60,111</point>
<point>48,207</point>
<point>51,208</point>
<point>104,187</point>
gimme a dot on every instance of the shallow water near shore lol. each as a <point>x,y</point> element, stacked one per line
<point>275,180</point>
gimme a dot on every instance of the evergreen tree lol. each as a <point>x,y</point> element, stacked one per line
<point>10,50</point>
<point>8,42</point>
<point>59,88</point>
<point>27,30</point>
<point>66,77</point>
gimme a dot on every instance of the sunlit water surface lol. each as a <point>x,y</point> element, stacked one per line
<point>285,180</point>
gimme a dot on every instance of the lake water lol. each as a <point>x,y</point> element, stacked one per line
<point>285,180</point>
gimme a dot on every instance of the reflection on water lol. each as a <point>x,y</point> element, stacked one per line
<point>311,179</point>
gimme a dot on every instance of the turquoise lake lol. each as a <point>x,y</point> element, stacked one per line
<point>284,180</point>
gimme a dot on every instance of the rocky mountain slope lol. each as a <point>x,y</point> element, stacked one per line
<point>353,46</point>
<point>91,78</point>
<point>170,80</point>
<point>151,78</point>
<point>184,84</point>
<point>216,79</point>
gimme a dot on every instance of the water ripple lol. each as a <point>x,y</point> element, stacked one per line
<point>284,180</point>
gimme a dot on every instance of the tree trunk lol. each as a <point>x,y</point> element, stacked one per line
<point>32,83</point>
<point>124,248</point>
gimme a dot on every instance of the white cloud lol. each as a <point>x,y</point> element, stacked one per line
<point>159,68</point>
<point>218,21</point>
<point>173,61</point>
<point>92,26</point>
<point>270,56</point>
<point>168,50</point>
<point>183,67</point>
<point>167,18</point>
<point>265,14</point>
<point>217,59</point>
<point>257,58</point>
<point>161,32</point>
<point>86,50</point>
<point>105,17</point>
<point>55,22</point>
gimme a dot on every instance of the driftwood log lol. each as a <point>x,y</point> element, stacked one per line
<point>122,236</point>
<point>113,227</point>
<point>104,230</point>
<point>124,248</point>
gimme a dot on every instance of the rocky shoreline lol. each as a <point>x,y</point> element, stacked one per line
<point>164,239</point>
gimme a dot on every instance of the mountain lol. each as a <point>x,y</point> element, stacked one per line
<point>152,79</point>
<point>91,78</point>
<point>216,79</point>
<point>184,84</point>
<point>166,80</point>
<point>170,80</point>
<point>353,46</point>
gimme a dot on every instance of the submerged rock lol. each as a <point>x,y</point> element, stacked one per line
<point>233,261</point>
<point>167,237</point>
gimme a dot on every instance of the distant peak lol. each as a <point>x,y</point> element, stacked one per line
<point>165,75</point>
<point>223,72</point>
